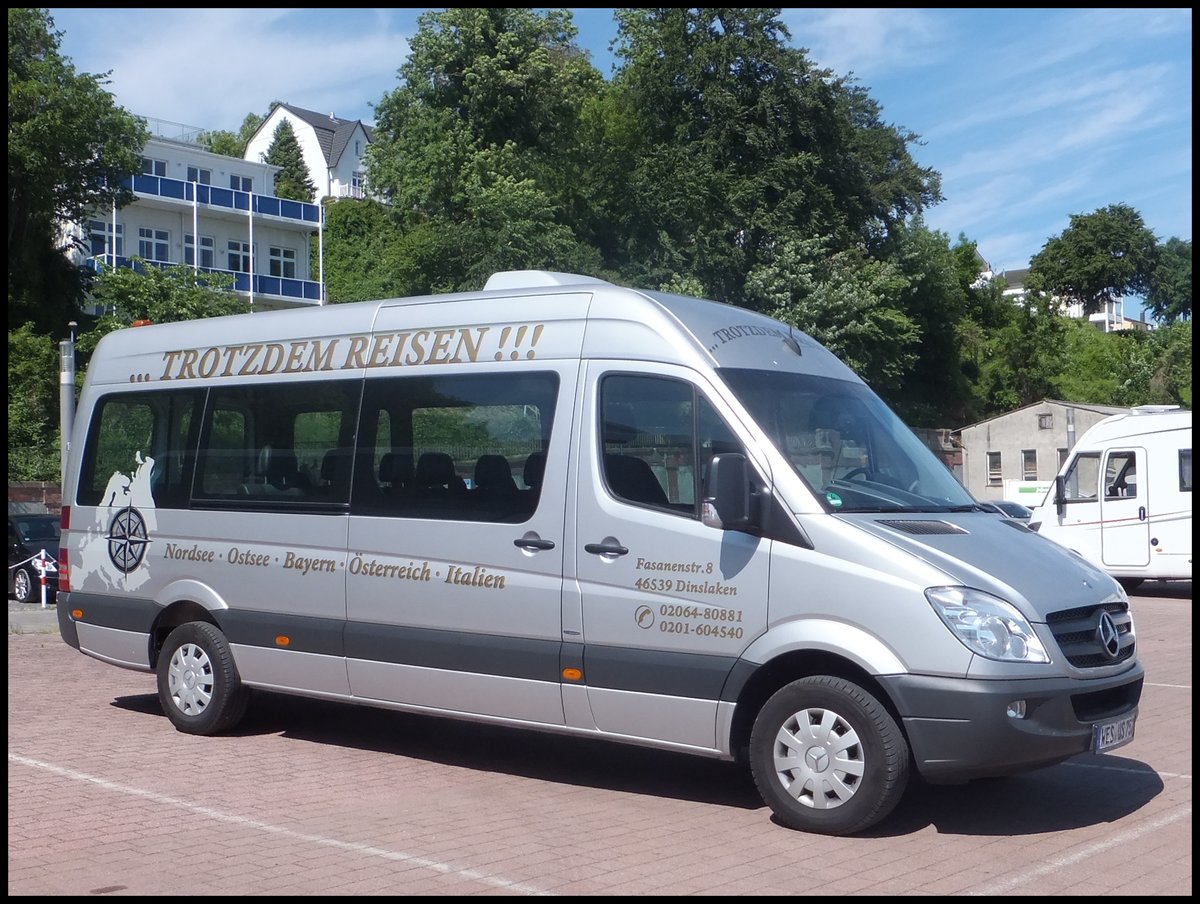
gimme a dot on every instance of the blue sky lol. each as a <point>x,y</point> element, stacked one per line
<point>1029,115</point>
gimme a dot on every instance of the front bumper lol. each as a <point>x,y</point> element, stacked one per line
<point>971,735</point>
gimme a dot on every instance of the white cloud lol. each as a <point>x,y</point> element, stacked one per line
<point>213,66</point>
<point>868,41</point>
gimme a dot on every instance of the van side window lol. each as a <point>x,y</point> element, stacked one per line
<point>287,444</point>
<point>1082,481</point>
<point>1185,470</point>
<point>129,429</point>
<point>659,436</point>
<point>459,448</point>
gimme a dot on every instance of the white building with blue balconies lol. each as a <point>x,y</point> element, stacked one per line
<point>213,213</point>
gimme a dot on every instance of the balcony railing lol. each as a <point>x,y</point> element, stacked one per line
<point>225,198</point>
<point>267,286</point>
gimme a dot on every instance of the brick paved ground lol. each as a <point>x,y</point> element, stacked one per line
<point>105,797</point>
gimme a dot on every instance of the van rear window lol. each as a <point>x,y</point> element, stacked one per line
<point>135,437</point>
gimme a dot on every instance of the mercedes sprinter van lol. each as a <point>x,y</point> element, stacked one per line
<point>566,505</point>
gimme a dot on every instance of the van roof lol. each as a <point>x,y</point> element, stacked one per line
<point>520,315</point>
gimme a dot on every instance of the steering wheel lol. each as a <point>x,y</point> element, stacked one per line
<point>865,473</point>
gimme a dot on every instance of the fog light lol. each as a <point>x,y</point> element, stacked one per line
<point>1016,709</point>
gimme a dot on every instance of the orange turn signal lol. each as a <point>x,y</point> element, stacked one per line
<point>572,674</point>
<point>282,640</point>
<point>77,613</point>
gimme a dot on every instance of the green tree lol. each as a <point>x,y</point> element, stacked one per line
<point>736,144</point>
<point>479,142</point>
<point>362,243</point>
<point>1099,258</point>
<point>1095,366</point>
<point>158,295</point>
<point>1022,361</point>
<point>936,391</point>
<point>846,301</point>
<point>894,320</point>
<point>292,181</point>
<point>232,144</point>
<point>1171,353</point>
<point>33,405</point>
<point>1170,287</point>
<point>69,146</point>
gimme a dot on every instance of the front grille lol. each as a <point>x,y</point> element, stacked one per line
<point>1075,630</point>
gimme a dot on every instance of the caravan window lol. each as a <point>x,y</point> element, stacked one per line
<point>1185,470</point>
<point>1083,479</point>
<point>1120,475</point>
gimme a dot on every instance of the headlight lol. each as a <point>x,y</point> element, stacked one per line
<point>986,624</point>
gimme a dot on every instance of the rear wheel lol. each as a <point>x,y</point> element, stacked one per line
<point>1130,584</point>
<point>827,757</point>
<point>198,684</point>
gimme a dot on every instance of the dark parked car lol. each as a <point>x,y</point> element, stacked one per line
<point>1013,510</point>
<point>28,535</point>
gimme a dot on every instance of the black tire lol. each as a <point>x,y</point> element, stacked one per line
<point>1131,584</point>
<point>24,584</point>
<point>809,787</point>
<point>198,684</point>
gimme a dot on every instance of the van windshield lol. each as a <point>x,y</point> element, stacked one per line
<point>846,444</point>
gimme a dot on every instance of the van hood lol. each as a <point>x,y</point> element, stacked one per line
<point>997,555</point>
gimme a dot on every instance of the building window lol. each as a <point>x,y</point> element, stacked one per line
<point>208,250</point>
<point>1029,464</point>
<point>993,466</point>
<point>100,238</point>
<point>1185,470</point>
<point>241,183</point>
<point>357,149</point>
<point>1045,421</point>
<point>358,183</point>
<point>151,167</point>
<point>203,176</point>
<point>283,262</point>
<point>239,257</point>
<point>154,244</point>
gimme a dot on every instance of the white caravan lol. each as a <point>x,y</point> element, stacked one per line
<point>566,505</point>
<point>1123,499</point>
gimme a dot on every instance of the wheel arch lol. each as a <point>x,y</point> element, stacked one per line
<point>790,666</point>
<point>183,602</point>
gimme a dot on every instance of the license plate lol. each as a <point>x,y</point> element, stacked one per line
<point>1113,734</point>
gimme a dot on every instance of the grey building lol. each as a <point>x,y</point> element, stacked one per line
<point>1016,455</point>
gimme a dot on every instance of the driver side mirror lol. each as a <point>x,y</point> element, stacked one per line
<point>727,495</point>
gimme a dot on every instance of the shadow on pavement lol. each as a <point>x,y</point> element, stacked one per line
<point>1046,800</point>
<point>1166,590</point>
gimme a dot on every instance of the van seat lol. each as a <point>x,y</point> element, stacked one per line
<point>632,479</point>
<point>493,477</point>
<point>435,476</point>
<point>535,470</point>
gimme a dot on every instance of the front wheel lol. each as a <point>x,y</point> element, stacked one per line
<point>827,757</point>
<point>198,684</point>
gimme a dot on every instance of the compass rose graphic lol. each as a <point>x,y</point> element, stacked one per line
<point>127,539</point>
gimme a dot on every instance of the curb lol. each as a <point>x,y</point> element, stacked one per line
<point>30,618</point>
